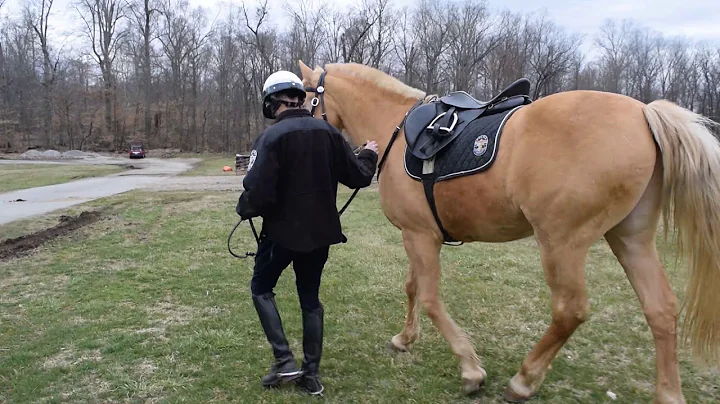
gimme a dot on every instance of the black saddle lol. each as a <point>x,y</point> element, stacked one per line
<point>432,126</point>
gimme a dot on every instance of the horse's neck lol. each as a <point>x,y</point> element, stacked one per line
<point>375,120</point>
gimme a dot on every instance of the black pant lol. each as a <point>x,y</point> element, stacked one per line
<point>272,259</point>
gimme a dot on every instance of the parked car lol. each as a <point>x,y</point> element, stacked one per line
<point>137,151</point>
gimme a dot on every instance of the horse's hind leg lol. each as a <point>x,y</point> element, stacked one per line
<point>423,251</point>
<point>404,340</point>
<point>633,242</point>
<point>564,265</point>
<point>637,255</point>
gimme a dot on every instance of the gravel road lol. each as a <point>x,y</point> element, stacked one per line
<point>150,173</point>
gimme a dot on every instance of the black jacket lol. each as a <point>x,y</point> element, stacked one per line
<point>292,180</point>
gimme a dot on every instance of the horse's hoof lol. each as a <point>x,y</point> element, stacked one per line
<point>471,387</point>
<point>511,396</point>
<point>396,346</point>
<point>392,348</point>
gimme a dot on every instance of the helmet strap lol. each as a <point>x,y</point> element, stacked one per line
<point>272,105</point>
<point>289,104</point>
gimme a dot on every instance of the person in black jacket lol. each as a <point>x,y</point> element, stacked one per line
<point>293,174</point>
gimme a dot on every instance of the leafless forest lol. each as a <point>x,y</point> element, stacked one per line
<point>173,76</point>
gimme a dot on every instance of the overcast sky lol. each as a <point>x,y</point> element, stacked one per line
<point>696,19</point>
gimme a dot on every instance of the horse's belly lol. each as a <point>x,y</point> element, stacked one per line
<point>474,208</point>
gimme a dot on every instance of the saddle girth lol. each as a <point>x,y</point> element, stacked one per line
<point>429,187</point>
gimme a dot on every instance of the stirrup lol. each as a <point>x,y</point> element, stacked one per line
<point>430,127</point>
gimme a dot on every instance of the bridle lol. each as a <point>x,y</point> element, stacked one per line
<point>319,96</point>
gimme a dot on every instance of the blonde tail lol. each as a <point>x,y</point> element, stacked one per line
<point>691,194</point>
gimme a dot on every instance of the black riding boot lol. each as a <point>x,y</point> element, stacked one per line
<point>312,348</point>
<point>284,368</point>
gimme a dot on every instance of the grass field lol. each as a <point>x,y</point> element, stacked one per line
<point>22,176</point>
<point>148,306</point>
<point>212,164</point>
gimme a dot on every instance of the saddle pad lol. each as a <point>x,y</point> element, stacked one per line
<point>473,151</point>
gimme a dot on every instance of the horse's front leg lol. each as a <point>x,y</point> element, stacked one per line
<point>411,331</point>
<point>423,251</point>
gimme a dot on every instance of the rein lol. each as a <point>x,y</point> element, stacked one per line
<point>257,239</point>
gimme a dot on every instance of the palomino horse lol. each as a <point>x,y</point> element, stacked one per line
<point>572,167</point>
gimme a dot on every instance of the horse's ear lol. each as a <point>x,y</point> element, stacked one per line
<point>305,71</point>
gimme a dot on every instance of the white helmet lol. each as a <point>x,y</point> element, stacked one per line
<point>280,81</point>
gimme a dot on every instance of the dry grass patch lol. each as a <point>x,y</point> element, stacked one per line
<point>69,357</point>
<point>166,313</point>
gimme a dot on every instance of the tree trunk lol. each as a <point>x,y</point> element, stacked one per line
<point>146,70</point>
<point>107,97</point>
<point>47,95</point>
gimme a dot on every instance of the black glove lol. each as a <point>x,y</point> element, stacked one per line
<point>238,210</point>
<point>244,209</point>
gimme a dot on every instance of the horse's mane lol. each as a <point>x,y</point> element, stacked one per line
<point>376,77</point>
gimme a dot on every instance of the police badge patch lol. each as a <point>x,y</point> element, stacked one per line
<point>253,156</point>
<point>480,145</point>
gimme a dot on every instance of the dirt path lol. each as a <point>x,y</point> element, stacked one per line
<point>36,201</point>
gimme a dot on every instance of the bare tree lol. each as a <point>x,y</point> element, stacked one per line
<point>381,32</point>
<point>37,15</point>
<point>263,41</point>
<point>354,39</point>
<point>307,33</point>
<point>510,59</point>
<point>709,66</point>
<point>613,43</point>
<point>196,60</point>
<point>645,51</point>
<point>101,18</point>
<point>333,26</point>
<point>551,56</point>
<point>472,40</point>
<point>143,12</point>
<point>20,81</point>
<point>405,47</point>
<point>5,143</point>
<point>432,22</point>
<point>678,76</point>
<point>225,55</point>
<point>264,60</point>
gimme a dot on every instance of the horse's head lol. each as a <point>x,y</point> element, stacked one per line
<point>319,99</point>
